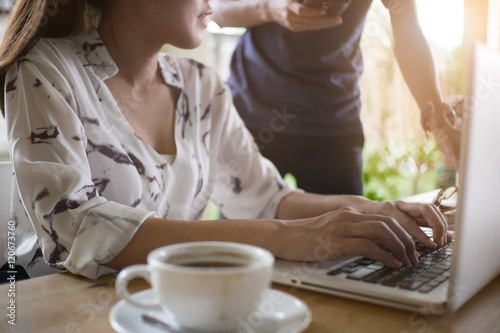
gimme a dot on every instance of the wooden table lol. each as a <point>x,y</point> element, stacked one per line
<point>67,303</point>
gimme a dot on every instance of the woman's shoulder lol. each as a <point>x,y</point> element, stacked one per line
<point>50,51</point>
<point>51,58</point>
<point>70,58</point>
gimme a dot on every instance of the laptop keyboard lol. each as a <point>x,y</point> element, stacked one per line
<point>432,269</point>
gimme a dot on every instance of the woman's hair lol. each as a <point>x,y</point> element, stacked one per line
<point>30,20</point>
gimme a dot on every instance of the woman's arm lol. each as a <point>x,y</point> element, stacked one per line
<point>409,215</point>
<point>330,236</point>
<point>308,227</point>
<point>155,232</point>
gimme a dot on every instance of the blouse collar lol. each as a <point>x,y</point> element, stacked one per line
<point>97,56</point>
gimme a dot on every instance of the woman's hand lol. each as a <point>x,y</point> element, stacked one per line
<point>411,216</point>
<point>346,232</point>
<point>382,231</point>
<point>354,225</point>
<point>297,17</point>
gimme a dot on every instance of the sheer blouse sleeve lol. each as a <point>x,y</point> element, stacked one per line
<point>247,185</point>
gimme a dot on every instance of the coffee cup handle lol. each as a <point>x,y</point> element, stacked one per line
<point>128,274</point>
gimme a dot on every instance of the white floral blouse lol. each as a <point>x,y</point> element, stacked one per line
<point>86,181</point>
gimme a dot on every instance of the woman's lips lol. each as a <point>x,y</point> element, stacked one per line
<point>203,17</point>
<point>207,13</point>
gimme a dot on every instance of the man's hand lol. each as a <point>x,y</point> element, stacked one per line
<point>447,138</point>
<point>441,120</point>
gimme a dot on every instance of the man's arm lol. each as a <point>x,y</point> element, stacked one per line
<point>288,13</point>
<point>414,55</point>
<point>417,66</point>
<point>236,13</point>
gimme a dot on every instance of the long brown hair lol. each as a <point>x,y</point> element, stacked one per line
<point>30,20</point>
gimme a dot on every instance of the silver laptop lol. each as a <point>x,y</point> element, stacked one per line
<point>442,281</point>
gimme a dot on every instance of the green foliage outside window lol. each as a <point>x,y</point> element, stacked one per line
<point>397,169</point>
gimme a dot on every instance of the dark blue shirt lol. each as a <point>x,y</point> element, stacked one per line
<point>311,77</point>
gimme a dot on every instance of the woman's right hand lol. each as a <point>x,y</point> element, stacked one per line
<point>297,17</point>
<point>346,232</point>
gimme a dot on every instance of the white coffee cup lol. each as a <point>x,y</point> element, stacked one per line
<point>203,286</point>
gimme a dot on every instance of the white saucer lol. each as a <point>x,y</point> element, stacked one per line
<point>279,313</point>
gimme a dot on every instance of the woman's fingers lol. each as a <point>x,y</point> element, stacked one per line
<point>383,228</point>
<point>432,217</point>
<point>387,235</point>
<point>407,213</point>
<point>367,248</point>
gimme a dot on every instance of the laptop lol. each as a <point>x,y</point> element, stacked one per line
<point>447,278</point>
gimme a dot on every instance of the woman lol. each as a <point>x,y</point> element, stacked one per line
<point>117,148</point>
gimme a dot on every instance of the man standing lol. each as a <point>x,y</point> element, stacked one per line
<point>295,82</point>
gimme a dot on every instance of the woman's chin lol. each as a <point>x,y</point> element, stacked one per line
<point>188,43</point>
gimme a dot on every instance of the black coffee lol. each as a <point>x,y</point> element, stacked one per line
<point>210,260</point>
<point>213,264</point>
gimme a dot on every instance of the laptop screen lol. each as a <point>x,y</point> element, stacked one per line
<point>477,245</point>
